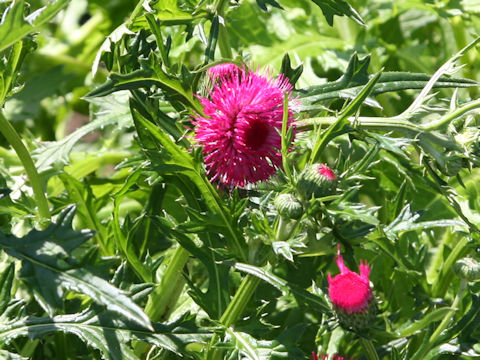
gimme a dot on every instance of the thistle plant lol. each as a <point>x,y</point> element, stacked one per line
<point>239,180</point>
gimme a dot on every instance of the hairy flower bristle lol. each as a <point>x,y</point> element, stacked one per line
<point>240,130</point>
<point>351,295</point>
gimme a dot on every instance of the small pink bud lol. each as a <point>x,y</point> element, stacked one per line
<point>351,295</point>
<point>317,180</point>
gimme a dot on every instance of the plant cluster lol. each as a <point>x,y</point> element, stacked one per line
<point>213,179</point>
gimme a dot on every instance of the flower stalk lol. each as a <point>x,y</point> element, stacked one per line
<point>244,293</point>
<point>420,354</point>
<point>163,299</point>
<point>369,349</point>
<point>21,150</point>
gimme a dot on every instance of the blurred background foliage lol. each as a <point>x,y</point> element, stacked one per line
<point>91,152</point>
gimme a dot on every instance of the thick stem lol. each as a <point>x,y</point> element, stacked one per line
<point>15,141</point>
<point>443,325</point>
<point>369,349</point>
<point>162,300</point>
<point>441,284</point>
<point>243,295</point>
<point>447,118</point>
<point>235,309</point>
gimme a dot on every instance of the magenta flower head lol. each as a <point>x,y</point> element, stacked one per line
<point>240,130</point>
<point>325,357</point>
<point>352,296</point>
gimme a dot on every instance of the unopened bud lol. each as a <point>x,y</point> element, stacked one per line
<point>468,269</point>
<point>287,205</point>
<point>317,181</point>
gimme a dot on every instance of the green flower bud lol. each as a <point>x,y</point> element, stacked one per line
<point>287,205</point>
<point>468,269</point>
<point>317,180</point>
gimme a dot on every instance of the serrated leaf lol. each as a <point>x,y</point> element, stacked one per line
<point>47,267</point>
<point>121,239</point>
<point>341,125</point>
<point>350,84</point>
<point>407,221</point>
<point>179,157</point>
<point>292,74</point>
<point>110,335</point>
<point>110,110</point>
<point>253,349</point>
<point>150,75</point>
<point>330,8</point>
<point>215,299</point>
<point>14,27</point>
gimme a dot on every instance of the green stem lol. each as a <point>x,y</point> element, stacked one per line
<point>447,118</point>
<point>369,349</point>
<point>443,325</point>
<point>396,123</point>
<point>440,285</point>
<point>420,354</point>
<point>372,123</point>
<point>15,141</point>
<point>235,309</point>
<point>243,295</point>
<point>162,300</point>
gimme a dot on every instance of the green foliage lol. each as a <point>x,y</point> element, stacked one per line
<point>113,233</point>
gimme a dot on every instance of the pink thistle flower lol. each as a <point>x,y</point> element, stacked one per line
<point>351,295</point>
<point>240,130</point>
<point>325,357</point>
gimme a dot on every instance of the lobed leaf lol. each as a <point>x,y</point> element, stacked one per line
<point>330,8</point>
<point>48,267</point>
<point>110,335</point>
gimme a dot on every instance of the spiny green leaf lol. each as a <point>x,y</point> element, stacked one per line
<point>150,75</point>
<point>330,8</point>
<point>292,74</point>
<point>179,157</point>
<point>47,267</point>
<point>110,110</point>
<point>341,125</point>
<point>110,335</point>
<point>350,84</point>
